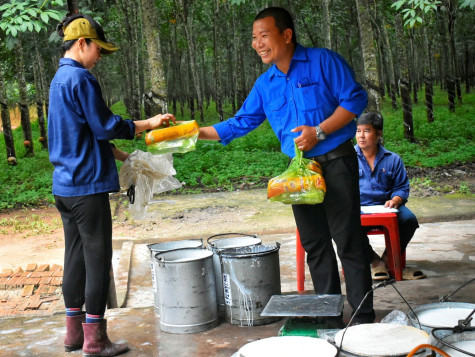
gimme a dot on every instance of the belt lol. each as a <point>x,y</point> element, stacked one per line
<point>345,149</point>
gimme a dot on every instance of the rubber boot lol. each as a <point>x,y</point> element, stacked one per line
<point>96,342</point>
<point>74,334</point>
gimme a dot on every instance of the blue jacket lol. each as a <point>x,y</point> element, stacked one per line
<point>80,126</point>
<point>388,178</point>
<point>317,82</point>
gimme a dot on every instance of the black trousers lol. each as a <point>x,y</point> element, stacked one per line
<point>87,224</point>
<point>337,218</point>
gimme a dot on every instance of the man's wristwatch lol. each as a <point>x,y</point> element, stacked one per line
<point>320,133</point>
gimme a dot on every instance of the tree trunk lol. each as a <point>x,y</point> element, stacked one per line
<point>6,124</point>
<point>452,17</point>
<point>38,73</point>
<point>155,99</point>
<point>369,56</point>
<point>23,100</point>
<point>187,20</point>
<point>404,84</point>
<point>429,86</point>
<point>238,51</point>
<point>327,37</point>
<point>73,6</point>
<point>218,95</point>
<point>467,69</point>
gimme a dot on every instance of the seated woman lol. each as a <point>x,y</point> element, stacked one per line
<point>383,181</point>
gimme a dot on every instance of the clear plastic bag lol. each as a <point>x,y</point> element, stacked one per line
<point>150,174</point>
<point>301,183</point>
<point>179,138</point>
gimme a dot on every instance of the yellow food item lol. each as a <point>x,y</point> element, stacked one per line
<point>314,166</point>
<point>178,131</point>
<point>306,183</point>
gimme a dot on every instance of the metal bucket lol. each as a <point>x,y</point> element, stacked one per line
<point>186,286</point>
<point>164,247</point>
<point>216,245</point>
<point>464,341</point>
<point>440,314</point>
<point>251,275</point>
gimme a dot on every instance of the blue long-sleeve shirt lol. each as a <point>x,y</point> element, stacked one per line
<point>388,178</point>
<point>80,126</point>
<point>317,82</point>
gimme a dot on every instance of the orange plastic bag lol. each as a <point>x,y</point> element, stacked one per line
<point>301,183</point>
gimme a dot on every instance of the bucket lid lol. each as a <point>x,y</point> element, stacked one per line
<point>178,244</point>
<point>183,255</point>
<point>250,251</point>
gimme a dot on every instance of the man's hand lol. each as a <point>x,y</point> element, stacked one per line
<point>161,119</point>
<point>394,202</point>
<point>307,139</point>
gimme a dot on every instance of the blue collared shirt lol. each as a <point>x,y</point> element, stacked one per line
<point>80,126</point>
<point>317,82</point>
<point>388,178</point>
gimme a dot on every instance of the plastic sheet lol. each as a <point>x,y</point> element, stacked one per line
<point>397,317</point>
<point>150,174</point>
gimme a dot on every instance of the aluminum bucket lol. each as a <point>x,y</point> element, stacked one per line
<point>186,286</point>
<point>440,314</point>
<point>216,245</point>
<point>251,275</point>
<point>464,341</point>
<point>164,247</point>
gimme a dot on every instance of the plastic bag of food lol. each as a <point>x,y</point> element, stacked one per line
<point>147,175</point>
<point>301,183</point>
<point>177,138</point>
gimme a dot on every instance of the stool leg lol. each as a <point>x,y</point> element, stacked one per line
<point>300,255</point>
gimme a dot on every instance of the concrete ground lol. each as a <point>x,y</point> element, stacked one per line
<point>443,249</point>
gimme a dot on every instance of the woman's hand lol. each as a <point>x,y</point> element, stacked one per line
<point>154,122</point>
<point>161,119</point>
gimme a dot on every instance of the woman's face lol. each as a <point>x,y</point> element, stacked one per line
<point>90,53</point>
<point>367,136</point>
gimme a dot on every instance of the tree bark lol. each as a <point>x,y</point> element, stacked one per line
<point>23,100</point>
<point>218,95</point>
<point>38,73</point>
<point>429,86</point>
<point>155,99</point>
<point>404,84</point>
<point>6,124</point>
<point>370,62</point>
<point>327,29</point>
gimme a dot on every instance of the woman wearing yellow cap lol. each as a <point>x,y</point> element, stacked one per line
<point>80,126</point>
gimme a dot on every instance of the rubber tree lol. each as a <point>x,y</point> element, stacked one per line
<point>155,98</point>
<point>6,124</point>
<point>367,41</point>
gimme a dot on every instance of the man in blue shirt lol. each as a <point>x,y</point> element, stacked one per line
<point>310,97</point>
<point>383,181</point>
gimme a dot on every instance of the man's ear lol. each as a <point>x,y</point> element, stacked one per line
<point>288,35</point>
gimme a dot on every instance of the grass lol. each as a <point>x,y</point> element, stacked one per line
<point>249,162</point>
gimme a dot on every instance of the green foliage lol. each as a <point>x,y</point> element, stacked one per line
<point>26,16</point>
<point>415,10</point>
<point>250,161</point>
<point>467,3</point>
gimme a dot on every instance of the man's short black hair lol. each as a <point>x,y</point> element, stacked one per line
<point>375,119</point>
<point>283,19</point>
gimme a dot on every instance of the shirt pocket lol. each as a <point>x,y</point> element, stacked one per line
<point>386,179</point>
<point>307,94</point>
<point>276,108</point>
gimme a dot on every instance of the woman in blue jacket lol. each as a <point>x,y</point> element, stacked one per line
<point>80,126</point>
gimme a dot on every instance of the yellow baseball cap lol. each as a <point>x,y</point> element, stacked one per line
<point>81,27</point>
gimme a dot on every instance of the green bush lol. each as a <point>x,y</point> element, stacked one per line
<point>251,160</point>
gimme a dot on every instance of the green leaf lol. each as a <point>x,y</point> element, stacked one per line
<point>23,27</point>
<point>37,26</point>
<point>30,26</point>
<point>14,31</point>
<point>3,26</point>
<point>44,17</point>
<point>54,15</point>
<point>419,19</point>
<point>32,12</point>
<point>4,7</point>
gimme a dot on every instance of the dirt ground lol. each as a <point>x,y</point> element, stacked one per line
<point>35,235</point>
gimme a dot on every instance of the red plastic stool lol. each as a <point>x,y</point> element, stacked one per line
<point>382,223</point>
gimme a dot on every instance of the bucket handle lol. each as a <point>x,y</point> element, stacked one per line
<point>227,234</point>
<point>161,261</point>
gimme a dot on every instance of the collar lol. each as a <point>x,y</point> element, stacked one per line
<point>300,54</point>
<point>70,62</point>
<point>381,151</point>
